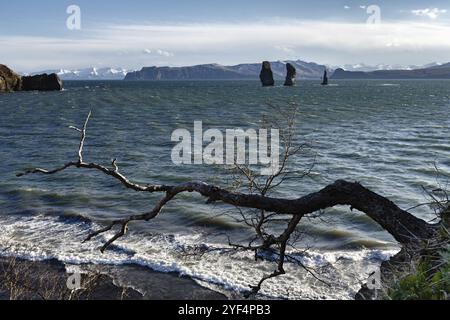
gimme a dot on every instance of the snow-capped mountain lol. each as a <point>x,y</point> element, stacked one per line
<point>305,70</point>
<point>368,68</point>
<point>89,73</point>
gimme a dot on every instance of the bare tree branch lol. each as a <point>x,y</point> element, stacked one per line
<point>403,226</point>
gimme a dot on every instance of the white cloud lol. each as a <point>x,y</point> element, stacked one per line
<point>346,7</point>
<point>363,7</point>
<point>288,50</point>
<point>329,42</point>
<point>159,52</point>
<point>286,36</point>
<point>432,13</point>
<point>165,53</point>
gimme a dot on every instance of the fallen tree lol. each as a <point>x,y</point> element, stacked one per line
<point>412,233</point>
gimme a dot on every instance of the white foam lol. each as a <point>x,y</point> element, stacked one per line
<point>46,237</point>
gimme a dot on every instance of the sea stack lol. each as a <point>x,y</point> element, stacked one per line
<point>291,75</point>
<point>266,75</point>
<point>325,78</point>
<point>11,81</point>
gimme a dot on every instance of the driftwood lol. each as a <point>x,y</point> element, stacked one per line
<point>407,229</point>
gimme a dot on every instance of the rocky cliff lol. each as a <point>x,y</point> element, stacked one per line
<point>440,72</point>
<point>246,71</point>
<point>42,82</point>
<point>200,72</point>
<point>11,81</point>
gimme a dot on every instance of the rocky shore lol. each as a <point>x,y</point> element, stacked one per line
<point>47,280</point>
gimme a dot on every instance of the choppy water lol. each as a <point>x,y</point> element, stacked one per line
<point>387,135</point>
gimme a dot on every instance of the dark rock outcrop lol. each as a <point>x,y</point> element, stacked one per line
<point>38,279</point>
<point>291,75</point>
<point>325,78</point>
<point>266,75</point>
<point>42,82</point>
<point>11,81</point>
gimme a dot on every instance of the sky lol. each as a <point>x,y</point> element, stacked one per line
<point>45,35</point>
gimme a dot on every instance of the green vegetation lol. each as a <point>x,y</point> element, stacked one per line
<point>431,281</point>
<point>425,284</point>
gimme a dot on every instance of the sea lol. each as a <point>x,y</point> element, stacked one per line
<point>392,136</point>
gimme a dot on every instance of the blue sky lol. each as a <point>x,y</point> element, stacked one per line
<point>134,33</point>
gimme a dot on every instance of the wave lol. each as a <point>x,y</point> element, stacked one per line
<point>43,237</point>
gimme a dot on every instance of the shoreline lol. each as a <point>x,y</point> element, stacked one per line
<point>22,279</point>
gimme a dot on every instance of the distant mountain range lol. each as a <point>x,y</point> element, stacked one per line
<point>368,68</point>
<point>88,73</point>
<point>250,71</point>
<point>305,70</point>
<point>436,71</point>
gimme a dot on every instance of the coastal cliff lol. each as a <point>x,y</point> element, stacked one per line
<point>200,72</point>
<point>12,81</point>
<point>436,72</point>
<point>246,71</point>
<point>9,80</point>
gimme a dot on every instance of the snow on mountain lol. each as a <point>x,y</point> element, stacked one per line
<point>88,73</point>
<point>305,70</point>
<point>368,68</point>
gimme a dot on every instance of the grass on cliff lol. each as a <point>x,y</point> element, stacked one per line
<point>431,280</point>
<point>427,283</point>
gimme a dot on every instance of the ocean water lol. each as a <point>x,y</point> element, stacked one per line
<point>388,135</point>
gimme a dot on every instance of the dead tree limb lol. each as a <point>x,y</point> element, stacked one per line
<point>403,226</point>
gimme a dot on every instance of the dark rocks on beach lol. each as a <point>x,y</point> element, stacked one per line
<point>36,280</point>
<point>47,280</point>
<point>291,75</point>
<point>11,81</point>
<point>266,75</point>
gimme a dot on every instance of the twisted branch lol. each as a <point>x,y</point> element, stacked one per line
<point>403,226</point>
